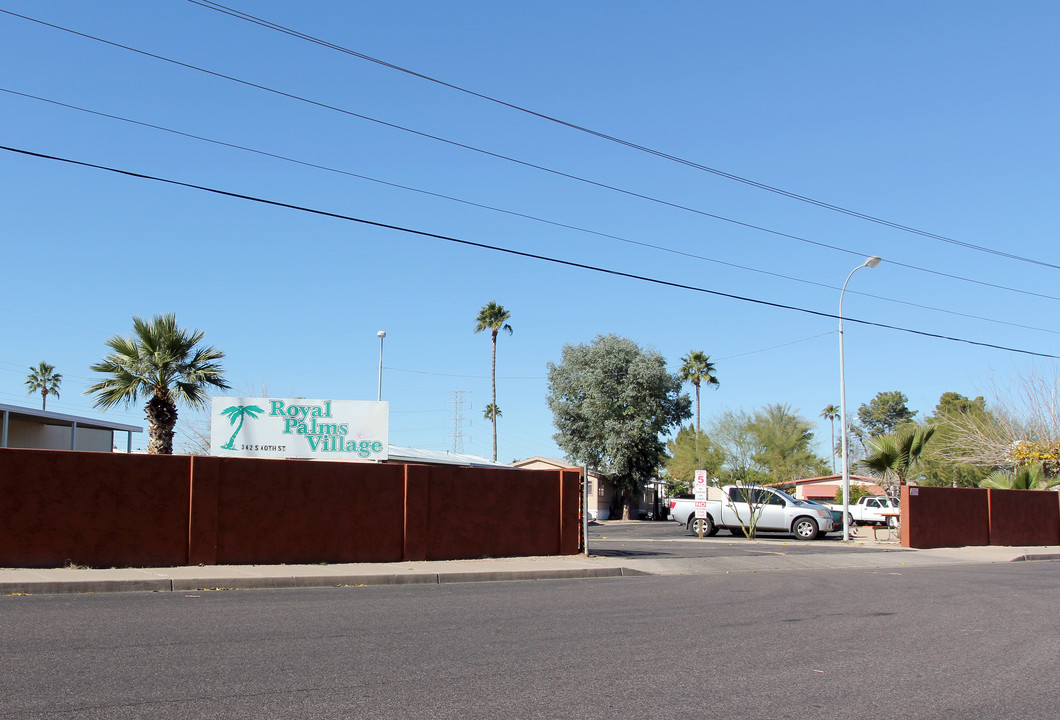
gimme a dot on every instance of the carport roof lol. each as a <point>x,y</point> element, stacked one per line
<point>46,417</point>
<point>43,417</point>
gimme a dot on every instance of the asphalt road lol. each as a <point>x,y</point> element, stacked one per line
<point>969,641</point>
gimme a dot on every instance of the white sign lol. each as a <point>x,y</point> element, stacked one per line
<point>699,487</point>
<point>299,428</point>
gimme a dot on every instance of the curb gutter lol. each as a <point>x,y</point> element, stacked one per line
<point>63,587</point>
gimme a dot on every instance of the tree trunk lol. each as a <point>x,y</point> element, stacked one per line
<point>698,429</point>
<point>493,386</point>
<point>832,420</point>
<point>162,418</point>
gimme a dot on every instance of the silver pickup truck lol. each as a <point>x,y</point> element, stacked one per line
<point>735,507</point>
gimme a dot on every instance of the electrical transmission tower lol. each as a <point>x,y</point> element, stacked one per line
<point>457,419</point>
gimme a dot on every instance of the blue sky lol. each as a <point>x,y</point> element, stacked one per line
<point>936,116</point>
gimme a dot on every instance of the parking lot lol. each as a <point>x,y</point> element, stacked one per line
<point>665,539</point>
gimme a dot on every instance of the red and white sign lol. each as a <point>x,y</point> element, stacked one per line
<point>699,487</point>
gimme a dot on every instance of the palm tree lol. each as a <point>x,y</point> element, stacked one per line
<point>492,412</point>
<point>1026,477</point>
<point>493,317</point>
<point>830,413</point>
<point>45,380</point>
<point>163,362</point>
<point>239,412</point>
<point>697,369</point>
<point>895,455</point>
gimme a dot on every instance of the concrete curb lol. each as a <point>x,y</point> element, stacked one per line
<point>202,579</point>
<point>67,587</point>
<point>64,587</point>
<point>1036,556</point>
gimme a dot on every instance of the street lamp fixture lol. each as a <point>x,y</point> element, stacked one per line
<point>379,392</point>
<point>870,262</point>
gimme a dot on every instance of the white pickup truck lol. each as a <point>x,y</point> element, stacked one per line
<point>869,510</point>
<point>733,506</point>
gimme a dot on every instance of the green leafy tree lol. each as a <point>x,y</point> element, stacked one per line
<point>1020,428</point>
<point>784,440</point>
<point>856,493</point>
<point>831,413</point>
<point>885,413</point>
<point>164,363</point>
<point>45,380</point>
<point>611,401</point>
<point>697,369</point>
<point>951,403</point>
<point>894,457</point>
<point>493,317</point>
<point>732,432</point>
<point>492,412</point>
<point>688,453</point>
<point>953,413</point>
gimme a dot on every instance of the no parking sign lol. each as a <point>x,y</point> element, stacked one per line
<point>699,487</point>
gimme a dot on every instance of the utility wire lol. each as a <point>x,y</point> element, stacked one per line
<point>524,163</point>
<point>546,221</point>
<point>611,138</point>
<point>519,253</point>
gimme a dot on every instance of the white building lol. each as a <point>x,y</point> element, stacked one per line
<point>43,430</point>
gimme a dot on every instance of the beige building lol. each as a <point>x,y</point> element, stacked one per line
<point>22,427</point>
<point>823,489</point>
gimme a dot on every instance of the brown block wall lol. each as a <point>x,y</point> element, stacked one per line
<point>944,517</point>
<point>104,509</point>
<point>1024,517</point>
<point>481,512</point>
<point>305,511</point>
<point>91,508</point>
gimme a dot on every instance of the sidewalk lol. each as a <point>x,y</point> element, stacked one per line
<point>861,555</point>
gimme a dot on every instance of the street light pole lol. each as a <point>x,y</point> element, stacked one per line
<point>379,393</point>
<point>870,262</point>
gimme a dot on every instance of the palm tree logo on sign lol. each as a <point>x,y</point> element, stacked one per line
<point>239,412</point>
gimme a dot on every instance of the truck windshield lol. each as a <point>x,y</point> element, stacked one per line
<point>787,497</point>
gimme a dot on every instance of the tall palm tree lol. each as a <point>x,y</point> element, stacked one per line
<point>830,413</point>
<point>45,380</point>
<point>895,455</point>
<point>164,363</point>
<point>493,317</point>
<point>697,369</point>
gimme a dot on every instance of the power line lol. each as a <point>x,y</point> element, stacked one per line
<point>520,253</point>
<point>209,4</point>
<point>534,218</point>
<point>774,347</point>
<point>750,226</point>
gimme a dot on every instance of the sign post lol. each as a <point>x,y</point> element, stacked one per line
<point>699,487</point>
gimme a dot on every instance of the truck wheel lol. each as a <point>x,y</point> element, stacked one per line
<point>804,528</point>
<point>708,526</point>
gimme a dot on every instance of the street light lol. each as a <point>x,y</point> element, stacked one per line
<point>869,263</point>
<point>379,392</point>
